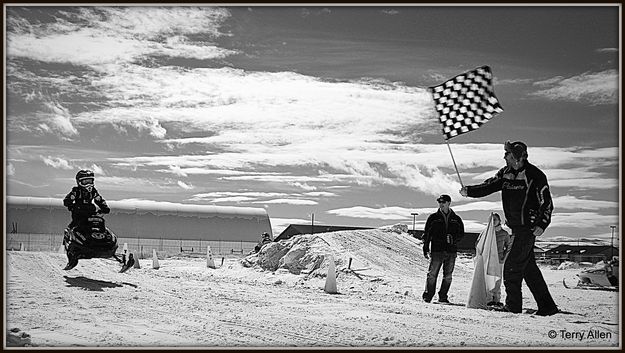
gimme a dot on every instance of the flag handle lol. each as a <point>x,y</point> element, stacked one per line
<point>453,160</point>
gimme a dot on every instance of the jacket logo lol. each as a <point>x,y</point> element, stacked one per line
<point>510,186</point>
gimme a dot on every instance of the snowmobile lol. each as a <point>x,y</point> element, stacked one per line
<point>92,239</point>
<point>601,277</point>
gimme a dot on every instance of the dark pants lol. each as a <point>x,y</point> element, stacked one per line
<point>521,265</point>
<point>437,259</point>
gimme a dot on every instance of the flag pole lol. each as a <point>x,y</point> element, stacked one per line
<point>453,160</point>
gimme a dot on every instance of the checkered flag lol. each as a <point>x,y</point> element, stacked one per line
<point>466,101</point>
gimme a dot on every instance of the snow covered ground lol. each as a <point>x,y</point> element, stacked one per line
<point>276,299</point>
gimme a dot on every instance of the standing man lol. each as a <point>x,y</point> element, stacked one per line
<point>527,206</point>
<point>443,230</point>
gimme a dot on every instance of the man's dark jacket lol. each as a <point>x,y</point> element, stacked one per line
<point>436,230</point>
<point>524,193</point>
<point>80,202</point>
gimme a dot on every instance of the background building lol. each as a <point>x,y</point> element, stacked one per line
<point>38,223</point>
<point>581,253</point>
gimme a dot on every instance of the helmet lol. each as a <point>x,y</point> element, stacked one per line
<point>85,178</point>
<point>266,235</point>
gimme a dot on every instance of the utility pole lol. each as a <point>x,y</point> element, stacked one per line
<point>312,224</point>
<point>414,220</point>
<point>612,243</point>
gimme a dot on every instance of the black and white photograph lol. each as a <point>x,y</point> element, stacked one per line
<point>321,176</point>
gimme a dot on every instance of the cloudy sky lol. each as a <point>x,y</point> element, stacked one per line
<point>312,110</point>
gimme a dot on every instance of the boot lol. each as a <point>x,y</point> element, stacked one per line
<point>72,261</point>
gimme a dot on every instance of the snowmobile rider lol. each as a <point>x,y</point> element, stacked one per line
<point>80,200</point>
<point>527,206</point>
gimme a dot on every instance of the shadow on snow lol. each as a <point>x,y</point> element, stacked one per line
<point>94,284</point>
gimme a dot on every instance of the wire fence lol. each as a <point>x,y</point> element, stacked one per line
<point>141,247</point>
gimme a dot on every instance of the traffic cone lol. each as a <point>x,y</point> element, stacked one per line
<point>155,264</point>
<point>210,263</point>
<point>330,286</point>
<point>136,265</point>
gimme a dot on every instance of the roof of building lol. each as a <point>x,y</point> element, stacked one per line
<point>161,207</point>
<point>580,249</point>
<point>296,229</point>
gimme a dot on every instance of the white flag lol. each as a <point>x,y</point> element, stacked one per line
<point>488,269</point>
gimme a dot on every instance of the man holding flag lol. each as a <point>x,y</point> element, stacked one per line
<point>527,206</point>
<point>464,103</point>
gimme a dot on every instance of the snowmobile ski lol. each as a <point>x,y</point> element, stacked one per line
<point>70,265</point>
<point>590,286</point>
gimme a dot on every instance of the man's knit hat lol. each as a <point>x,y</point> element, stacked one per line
<point>517,148</point>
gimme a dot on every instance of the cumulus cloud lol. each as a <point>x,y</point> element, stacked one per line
<point>151,204</point>
<point>59,121</point>
<point>479,206</point>
<point>236,199</point>
<point>574,203</point>
<point>260,197</point>
<point>57,163</point>
<point>394,213</point>
<point>100,36</point>
<point>583,220</point>
<point>185,185</point>
<point>594,88</point>
<point>384,213</point>
<point>426,168</point>
<point>586,184</point>
<point>97,169</point>
<point>304,186</point>
<point>320,194</point>
<point>176,170</point>
<point>567,202</point>
<point>230,196</point>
